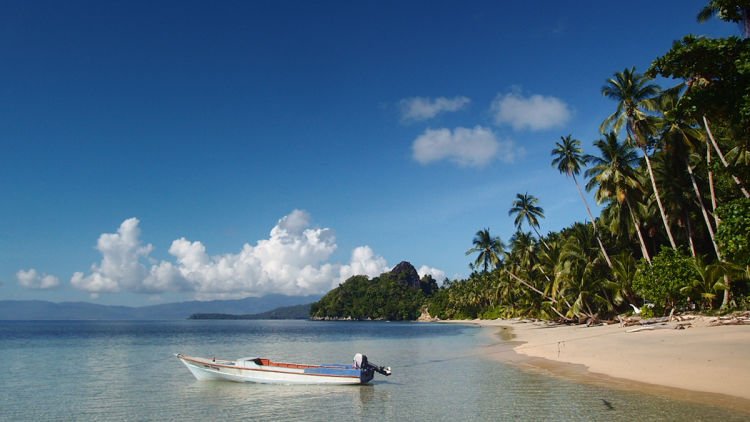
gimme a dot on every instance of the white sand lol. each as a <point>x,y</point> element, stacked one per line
<point>702,358</point>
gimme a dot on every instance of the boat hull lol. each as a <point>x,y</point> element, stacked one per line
<point>247,371</point>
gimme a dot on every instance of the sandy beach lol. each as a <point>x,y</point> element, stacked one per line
<point>711,360</point>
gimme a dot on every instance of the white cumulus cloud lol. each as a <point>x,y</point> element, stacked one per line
<point>364,261</point>
<point>293,260</point>
<point>475,147</point>
<point>437,274</point>
<point>536,112</point>
<point>421,108</point>
<point>121,267</point>
<point>31,279</point>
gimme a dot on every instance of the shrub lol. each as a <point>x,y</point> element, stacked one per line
<point>647,312</point>
<point>661,282</point>
<point>732,235</point>
<point>494,312</point>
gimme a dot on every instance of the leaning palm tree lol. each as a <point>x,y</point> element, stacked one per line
<point>681,141</point>
<point>522,262</point>
<point>525,208</point>
<point>635,95</point>
<point>568,157</point>
<point>490,250</point>
<point>614,177</point>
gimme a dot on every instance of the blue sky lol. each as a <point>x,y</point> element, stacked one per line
<point>162,151</point>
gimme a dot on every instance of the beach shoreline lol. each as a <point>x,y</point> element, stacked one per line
<point>705,364</point>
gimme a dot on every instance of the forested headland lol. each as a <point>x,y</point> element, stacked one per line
<point>395,296</point>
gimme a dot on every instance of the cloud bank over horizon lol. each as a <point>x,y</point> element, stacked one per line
<point>293,260</point>
<point>31,279</point>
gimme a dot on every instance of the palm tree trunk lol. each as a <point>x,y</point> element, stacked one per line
<point>727,282</point>
<point>664,218</point>
<point>593,223</point>
<point>689,229</point>
<point>745,22</point>
<point>637,226</point>
<point>522,281</point>
<point>709,226</point>
<point>723,160</point>
<point>711,183</point>
<point>540,238</point>
<point>642,145</point>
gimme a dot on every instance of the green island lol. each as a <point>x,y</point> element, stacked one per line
<point>396,295</point>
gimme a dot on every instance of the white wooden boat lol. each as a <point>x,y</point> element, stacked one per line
<point>264,370</point>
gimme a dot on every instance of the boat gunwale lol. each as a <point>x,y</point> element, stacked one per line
<point>213,365</point>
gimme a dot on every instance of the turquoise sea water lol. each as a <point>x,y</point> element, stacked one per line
<point>117,370</point>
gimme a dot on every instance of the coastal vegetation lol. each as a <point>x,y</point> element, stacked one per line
<point>670,170</point>
<point>396,295</point>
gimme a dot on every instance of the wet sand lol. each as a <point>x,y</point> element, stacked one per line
<point>705,364</point>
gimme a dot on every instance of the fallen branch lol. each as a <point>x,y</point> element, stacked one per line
<point>729,321</point>
<point>644,328</point>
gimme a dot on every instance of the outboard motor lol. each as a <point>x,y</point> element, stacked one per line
<point>360,362</point>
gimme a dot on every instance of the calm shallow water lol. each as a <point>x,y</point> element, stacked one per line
<point>118,370</point>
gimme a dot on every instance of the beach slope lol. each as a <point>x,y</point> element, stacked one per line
<point>711,359</point>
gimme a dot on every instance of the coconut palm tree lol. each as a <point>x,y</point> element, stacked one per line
<point>624,268</point>
<point>684,140</point>
<point>723,159</point>
<point>523,262</point>
<point>490,250</point>
<point>523,251</point>
<point>576,277</point>
<point>568,158</point>
<point>504,293</point>
<point>635,96</point>
<point>614,177</point>
<point>525,208</point>
<point>707,283</point>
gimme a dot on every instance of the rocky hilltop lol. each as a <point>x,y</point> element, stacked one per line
<point>395,295</point>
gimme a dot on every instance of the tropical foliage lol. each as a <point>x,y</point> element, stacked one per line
<point>396,295</point>
<point>670,172</point>
<point>734,233</point>
<point>664,281</point>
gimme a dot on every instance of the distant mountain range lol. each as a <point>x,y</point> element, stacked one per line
<point>285,312</point>
<point>38,309</point>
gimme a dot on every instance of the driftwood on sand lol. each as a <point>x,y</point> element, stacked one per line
<point>680,322</point>
<point>737,318</point>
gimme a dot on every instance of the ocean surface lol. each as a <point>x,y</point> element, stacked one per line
<point>126,371</point>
